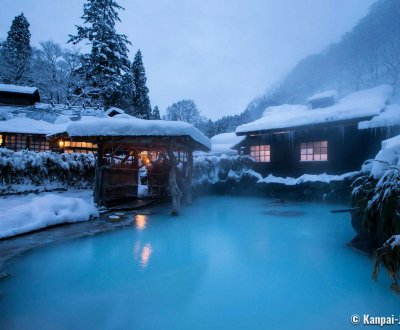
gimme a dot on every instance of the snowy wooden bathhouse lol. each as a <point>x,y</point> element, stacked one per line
<point>124,143</point>
<point>330,135</point>
<point>25,123</point>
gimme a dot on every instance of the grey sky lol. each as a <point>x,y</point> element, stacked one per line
<point>220,53</point>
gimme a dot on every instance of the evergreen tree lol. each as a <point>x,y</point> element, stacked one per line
<point>16,53</point>
<point>155,114</point>
<point>141,101</point>
<point>107,64</point>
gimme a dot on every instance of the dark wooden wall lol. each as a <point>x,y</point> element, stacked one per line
<point>348,148</point>
<point>9,98</point>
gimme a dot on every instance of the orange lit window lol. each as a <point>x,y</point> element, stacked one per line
<point>314,151</point>
<point>261,154</point>
<point>1,139</point>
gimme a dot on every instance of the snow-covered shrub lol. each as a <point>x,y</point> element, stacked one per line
<point>377,220</point>
<point>31,168</point>
<point>389,257</point>
<point>211,169</point>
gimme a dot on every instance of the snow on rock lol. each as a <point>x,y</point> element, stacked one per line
<point>360,104</point>
<point>44,211</point>
<point>389,117</point>
<point>135,127</point>
<point>331,94</point>
<point>27,125</point>
<point>17,89</point>
<point>386,158</point>
<point>223,143</point>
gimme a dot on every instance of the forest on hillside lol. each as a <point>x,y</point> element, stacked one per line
<point>366,56</point>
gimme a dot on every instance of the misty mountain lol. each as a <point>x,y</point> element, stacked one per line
<point>366,56</point>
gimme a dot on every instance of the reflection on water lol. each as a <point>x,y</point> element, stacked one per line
<point>146,253</point>
<point>140,221</point>
<point>142,254</point>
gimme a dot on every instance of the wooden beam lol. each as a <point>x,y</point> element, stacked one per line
<point>175,192</point>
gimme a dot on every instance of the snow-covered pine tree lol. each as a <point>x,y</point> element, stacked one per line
<point>107,64</point>
<point>155,113</point>
<point>141,101</point>
<point>16,53</point>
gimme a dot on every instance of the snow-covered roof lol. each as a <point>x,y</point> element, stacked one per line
<point>358,105</point>
<point>331,94</point>
<point>114,109</point>
<point>223,143</point>
<point>30,126</point>
<point>135,127</point>
<point>49,113</point>
<point>17,89</point>
<point>389,117</point>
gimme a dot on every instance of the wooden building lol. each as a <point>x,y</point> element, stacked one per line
<point>292,140</point>
<point>18,95</point>
<point>125,143</point>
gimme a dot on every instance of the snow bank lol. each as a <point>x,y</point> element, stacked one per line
<point>17,89</point>
<point>135,127</point>
<point>31,126</point>
<point>44,211</point>
<point>223,143</point>
<point>323,178</point>
<point>356,105</point>
<point>389,117</point>
<point>387,158</point>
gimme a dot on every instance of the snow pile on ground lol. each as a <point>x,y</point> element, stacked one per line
<point>288,181</point>
<point>323,178</point>
<point>389,117</point>
<point>361,104</point>
<point>223,143</point>
<point>116,126</point>
<point>45,211</point>
<point>387,158</point>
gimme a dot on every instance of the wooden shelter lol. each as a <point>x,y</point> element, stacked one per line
<point>126,144</point>
<point>18,95</point>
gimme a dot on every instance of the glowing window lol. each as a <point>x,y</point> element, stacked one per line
<point>261,154</point>
<point>1,139</point>
<point>15,142</point>
<point>314,151</point>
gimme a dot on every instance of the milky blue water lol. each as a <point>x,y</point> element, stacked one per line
<point>224,263</point>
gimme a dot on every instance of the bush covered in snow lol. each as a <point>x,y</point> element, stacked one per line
<point>377,218</point>
<point>27,170</point>
<point>389,256</point>
<point>211,169</point>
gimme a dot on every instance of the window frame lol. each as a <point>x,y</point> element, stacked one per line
<point>314,151</point>
<point>261,153</point>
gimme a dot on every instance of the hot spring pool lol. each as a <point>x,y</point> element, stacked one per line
<point>224,263</point>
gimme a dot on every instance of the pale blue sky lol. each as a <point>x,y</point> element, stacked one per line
<point>220,53</point>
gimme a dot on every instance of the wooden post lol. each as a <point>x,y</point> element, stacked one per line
<point>136,157</point>
<point>188,178</point>
<point>98,175</point>
<point>176,193</point>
